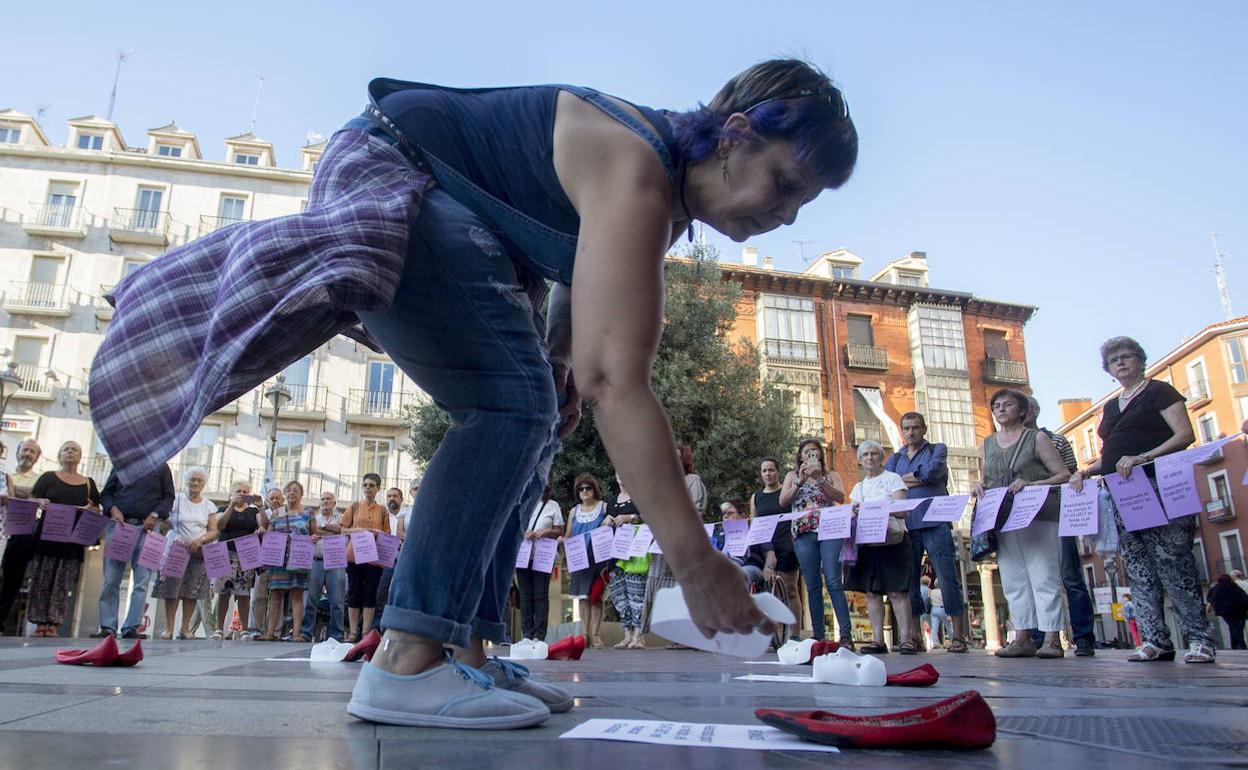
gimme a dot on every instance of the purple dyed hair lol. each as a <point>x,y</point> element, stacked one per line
<point>784,99</point>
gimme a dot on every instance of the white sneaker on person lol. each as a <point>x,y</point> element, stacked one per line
<point>515,677</point>
<point>449,695</point>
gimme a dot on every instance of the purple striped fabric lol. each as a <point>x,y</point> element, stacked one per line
<point>209,321</point>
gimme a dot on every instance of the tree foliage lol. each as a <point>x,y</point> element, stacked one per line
<point>708,383</point>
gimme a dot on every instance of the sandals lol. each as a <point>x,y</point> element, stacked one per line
<point>217,636</point>
<point>957,645</point>
<point>1149,653</point>
<point>908,647</point>
<point>164,636</point>
<point>873,648</point>
<point>1199,652</point>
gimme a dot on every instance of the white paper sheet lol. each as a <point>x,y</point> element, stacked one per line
<point>711,736</point>
<point>776,678</point>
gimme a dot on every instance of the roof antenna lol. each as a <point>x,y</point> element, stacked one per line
<point>1219,271</point>
<point>256,110</point>
<point>112,97</point>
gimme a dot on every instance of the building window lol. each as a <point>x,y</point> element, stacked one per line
<point>940,336</point>
<point>1197,381</point>
<point>232,208</point>
<point>129,266</point>
<point>1232,553</point>
<point>62,198</point>
<point>169,150</point>
<point>844,271</point>
<point>963,473</point>
<point>860,331</point>
<point>298,375</point>
<point>948,411</point>
<point>995,345</point>
<point>1202,564</point>
<point>1243,408</point>
<point>288,457</point>
<point>379,385</point>
<point>1235,354</point>
<point>10,134</point>
<point>246,159</point>
<point>801,392</point>
<point>90,141</point>
<point>375,456</point>
<point>789,328</point>
<point>202,446</point>
<point>1220,491</point>
<point>1089,443</point>
<point>148,207</point>
<point>906,278</point>
<point>46,271</point>
<point>1208,427</point>
<point>29,355</point>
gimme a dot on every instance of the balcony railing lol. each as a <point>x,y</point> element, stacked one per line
<point>791,351</point>
<point>810,426</point>
<point>212,224</point>
<point>305,401</point>
<point>1198,390</point>
<point>345,488</point>
<point>1219,509</point>
<point>869,431</point>
<point>38,299</point>
<point>56,220</point>
<point>140,226</point>
<point>378,406</point>
<point>220,477</point>
<point>1005,371</point>
<point>866,357</point>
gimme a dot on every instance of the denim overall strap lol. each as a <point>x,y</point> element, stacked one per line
<point>647,133</point>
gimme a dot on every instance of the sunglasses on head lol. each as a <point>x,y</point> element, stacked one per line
<point>833,97</point>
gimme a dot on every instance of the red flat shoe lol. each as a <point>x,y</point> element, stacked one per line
<point>925,675</point>
<point>962,722</point>
<point>567,648</point>
<point>130,657</point>
<point>823,648</point>
<point>102,654</point>
<point>365,647</point>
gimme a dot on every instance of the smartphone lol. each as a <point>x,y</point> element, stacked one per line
<point>252,499</point>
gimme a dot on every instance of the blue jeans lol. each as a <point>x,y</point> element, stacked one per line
<point>335,583</point>
<point>820,561</point>
<point>464,328</point>
<point>940,625</point>
<point>938,542</point>
<point>110,593</point>
<point>1078,601</point>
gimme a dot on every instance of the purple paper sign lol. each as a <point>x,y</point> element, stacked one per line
<point>176,560</point>
<point>836,522</point>
<point>524,555</point>
<point>602,539</point>
<point>334,551</point>
<point>121,542</point>
<point>387,549</point>
<point>273,549</point>
<point>364,544</point>
<point>58,523</point>
<point>654,547</point>
<point>217,560</point>
<point>1137,502</point>
<point>736,536</point>
<point>153,551</point>
<point>89,528</point>
<point>622,543</point>
<point>909,504</point>
<point>576,553</point>
<point>19,518</point>
<point>946,508</point>
<point>1176,481</point>
<point>545,550</point>
<point>873,522</point>
<point>248,550</point>
<point>641,541</point>
<point>1079,510</point>
<point>1027,503</point>
<point>302,551</point>
<point>762,529</point>
<point>986,509</point>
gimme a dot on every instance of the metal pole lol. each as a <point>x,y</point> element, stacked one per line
<point>112,97</point>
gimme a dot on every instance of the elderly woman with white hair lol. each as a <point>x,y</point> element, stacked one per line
<point>882,569</point>
<point>194,523</point>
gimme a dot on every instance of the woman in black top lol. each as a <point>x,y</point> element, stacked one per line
<point>628,576</point>
<point>56,566</point>
<point>767,503</point>
<point>1149,419</point>
<point>235,520</point>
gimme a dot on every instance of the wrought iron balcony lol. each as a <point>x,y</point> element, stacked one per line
<point>869,431</point>
<point>212,224</point>
<point>1005,371</point>
<point>56,221</point>
<point>143,226</point>
<point>307,402</point>
<point>791,352</point>
<point>32,298</point>
<point>35,383</point>
<point>866,357</point>
<point>1198,392</point>
<point>378,407</point>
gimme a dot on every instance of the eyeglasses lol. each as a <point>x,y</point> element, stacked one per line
<point>1121,358</point>
<point>584,488</point>
<point>835,98</point>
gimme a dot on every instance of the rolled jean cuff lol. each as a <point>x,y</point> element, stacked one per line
<point>428,626</point>
<point>489,630</point>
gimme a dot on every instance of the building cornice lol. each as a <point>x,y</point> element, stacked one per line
<point>200,166</point>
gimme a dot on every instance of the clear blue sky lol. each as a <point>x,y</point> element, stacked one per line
<point>1071,155</point>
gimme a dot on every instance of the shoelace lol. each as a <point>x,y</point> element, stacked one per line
<point>513,671</point>
<point>469,673</point>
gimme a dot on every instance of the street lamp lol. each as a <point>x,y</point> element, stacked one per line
<point>278,395</point>
<point>10,383</point>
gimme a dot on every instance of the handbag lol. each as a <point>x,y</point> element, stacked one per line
<point>985,544</point>
<point>896,530</point>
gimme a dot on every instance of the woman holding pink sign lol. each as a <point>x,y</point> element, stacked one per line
<point>589,514</point>
<point>194,524</point>
<point>1149,419</point>
<point>292,519</point>
<point>56,566</point>
<point>238,519</point>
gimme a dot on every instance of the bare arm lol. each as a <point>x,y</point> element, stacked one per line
<point>789,490</point>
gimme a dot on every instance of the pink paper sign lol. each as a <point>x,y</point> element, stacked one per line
<point>736,536</point>
<point>302,551</point>
<point>986,509</point>
<point>602,539</point>
<point>58,523</point>
<point>334,551</point>
<point>89,528</point>
<point>365,546</point>
<point>217,560</point>
<point>873,522</point>
<point>19,518</point>
<point>762,529</point>
<point>273,549</point>
<point>1137,502</point>
<point>121,542</point>
<point>836,522</point>
<point>1027,503</point>
<point>387,549</point>
<point>176,560</point>
<point>622,543</point>
<point>545,549</point>
<point>1079,510</point>
<point>949,508</point>
<point>153,551</point>
<point>641,541</point>
<point>576,553</point>
<point>1176,481</point>
<point>524,555</point>
<point>909,504</point>
<point>248,550</point>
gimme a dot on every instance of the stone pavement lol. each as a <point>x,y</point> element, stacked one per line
<point>225,704</point>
